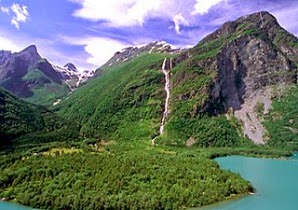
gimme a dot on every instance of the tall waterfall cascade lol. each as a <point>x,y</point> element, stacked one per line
<point>166,70</point>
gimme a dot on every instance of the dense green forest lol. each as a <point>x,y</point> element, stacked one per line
<point>130,107</point>
<point>282,121</point>
<point>124,103</point>
<point>22,122</point>
<point>100,148</point>
<point>118,176</point>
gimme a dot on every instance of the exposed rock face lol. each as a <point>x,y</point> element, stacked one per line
<point>71,76</point>
<point>71,67</point>
<point>25,72</point>
<point>4,56</point>
<point>249,64</point>
<point>247,56</point>
<point>16,67</point>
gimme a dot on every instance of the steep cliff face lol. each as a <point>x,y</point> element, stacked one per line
<point>4,56</point>
<point>215,87</point>
<point>247,65</point>
<point>234,69</point>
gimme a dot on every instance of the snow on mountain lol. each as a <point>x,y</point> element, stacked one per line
<point>72,77</point>
<point>134,51</point>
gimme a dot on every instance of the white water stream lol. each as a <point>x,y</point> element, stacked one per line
<point>167,89</point>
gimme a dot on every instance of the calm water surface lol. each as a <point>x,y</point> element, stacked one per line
<point>276,183</point>
<point>12,206</point>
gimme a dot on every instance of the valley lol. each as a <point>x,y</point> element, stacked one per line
<point>143,130</point>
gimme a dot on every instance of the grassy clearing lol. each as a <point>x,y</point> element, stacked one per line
<point>62,151</point>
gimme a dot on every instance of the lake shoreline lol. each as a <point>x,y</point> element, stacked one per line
<point>231,198</point>
<point>268,180</point>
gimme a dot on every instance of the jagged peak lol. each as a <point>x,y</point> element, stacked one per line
<point>262,15</point>
<point>31,48</point>
<point>261,20</point>
<point>30,52</point>
<point>71,67</point>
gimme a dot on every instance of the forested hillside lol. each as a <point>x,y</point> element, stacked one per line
<point>28,123</point>
<point>214,87</point>
<point>102,147</point>
<point>124,103</point>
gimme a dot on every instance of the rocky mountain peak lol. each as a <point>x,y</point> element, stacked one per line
<point>249,55</point>
<point>30,49</point>
<point>263,23</point>
<point>29,53</point>
<point>25,71</point>
<point>71,67</point>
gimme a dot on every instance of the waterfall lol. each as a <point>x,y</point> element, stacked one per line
<point>167,89</point>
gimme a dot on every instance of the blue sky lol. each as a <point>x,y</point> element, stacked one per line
<point>89,32</point>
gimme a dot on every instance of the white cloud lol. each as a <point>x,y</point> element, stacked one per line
<point>203,6</point>
<point>100,49</point>
<point>179,20</point>
<point>6,44</point>
<point>117,13</point>
<point>21,14</point>
<point>127,13</point>
<point>5,10</point>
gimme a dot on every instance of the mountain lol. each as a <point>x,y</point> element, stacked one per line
<point>32,123</point>
<point>4,56</point>
<point>215,88</point>
<point>129,53</point>
<point>29,76</point>
<point>232,71</point>
<point>71,76</point>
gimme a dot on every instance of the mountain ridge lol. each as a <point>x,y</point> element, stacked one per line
<point>27,75</point>
<point>217,77</point>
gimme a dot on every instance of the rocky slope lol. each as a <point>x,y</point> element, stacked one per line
<point>216,88</point>
<point>241,62</point>
<point>27,75</point>
<point>71,76</point>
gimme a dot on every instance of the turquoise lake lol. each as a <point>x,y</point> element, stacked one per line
<point>275,181</point>
<point>12,206</point>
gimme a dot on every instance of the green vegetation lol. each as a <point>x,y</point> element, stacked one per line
<point>45,91</point>
<point>124,103</point>
<point>282,37</point>
<point>281,122</point>
<point>115,166</point>
<point>125,176</point>
<point>22,122</point>
<point>18,117</point>
<point>130,106</point>
<point>189,117</point>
